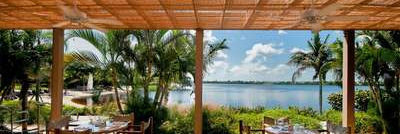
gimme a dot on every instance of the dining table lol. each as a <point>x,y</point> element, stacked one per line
<point>279,129</point>
<point>85,123</point>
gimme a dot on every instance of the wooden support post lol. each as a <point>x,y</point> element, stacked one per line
<point>348,119</point>
<point>198,82</point>
<point>57,80</point>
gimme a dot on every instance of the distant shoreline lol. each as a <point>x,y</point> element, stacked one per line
<point>277,82</point>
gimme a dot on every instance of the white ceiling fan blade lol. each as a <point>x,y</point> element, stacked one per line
<point>316,27</point>
<point>346,18</point>
<point>71,11</point>
<point>105,21</point>
<point>93,26</point>
<point>61,24</point>
<point>330,9</point>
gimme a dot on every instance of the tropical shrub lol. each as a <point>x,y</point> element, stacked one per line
<point>214,122</point>
<point>76,73</point>
<point>96,95</point>
<point>362,99</point>
<point>15,106</point>
<point>143,109</point>
<point>365,123</point>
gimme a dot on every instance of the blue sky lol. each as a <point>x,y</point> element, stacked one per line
<point>260,55</point>
<point>252,55</point>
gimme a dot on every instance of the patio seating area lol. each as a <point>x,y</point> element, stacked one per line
<point>198,15</point>
<point>120,124</point>
<point>284,126</point>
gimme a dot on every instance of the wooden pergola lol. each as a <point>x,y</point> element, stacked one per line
<point>202,15</point>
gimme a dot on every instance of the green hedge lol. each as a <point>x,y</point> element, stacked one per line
<point>15,106</point>
<point>365,123</point>
<point>362,98</point>
<point>217,120</point>
<point>106,109</point>
<point>226,120</point>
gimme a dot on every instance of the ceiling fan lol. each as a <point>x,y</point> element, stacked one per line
<point>73,16</point>
<point>315,17</point>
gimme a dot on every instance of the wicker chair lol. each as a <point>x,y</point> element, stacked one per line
<point>59,127</point>
<point>139,129</point>
<point>125,118</point>
<point>268,121</point>
<point>243,129</point>
<point>76,132</point>
<point>332,128</point>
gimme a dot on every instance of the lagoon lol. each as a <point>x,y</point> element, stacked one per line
<point>253,95</point>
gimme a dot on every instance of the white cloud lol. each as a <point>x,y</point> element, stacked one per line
<point>221,55</point>
<point>258,71</point>
<point>220,63</point>
<point>282,32</point>
<point>280,69</point>
<point>295,50</point>
<point>220,66</point>
<point>209,37</point>
<point>248,68</point>
<point>261,50</point>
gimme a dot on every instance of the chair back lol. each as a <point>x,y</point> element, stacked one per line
<point>58,125</point>
<point>148,125</point>
<point>268,121</point>
<point>246,129</point>
<point>124,118</point>
<point>336,129</point>
<point>76,132</point>
<point>284,120</point>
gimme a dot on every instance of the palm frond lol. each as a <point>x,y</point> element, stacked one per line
<point>96,39</point>
<point>87,57</point>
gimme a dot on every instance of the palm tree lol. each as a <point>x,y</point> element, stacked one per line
<point>109,45</point>
<point>318,57</point>
<point>8,41</point>
<point>211,51</point>
<point>22,53</point>
<point>172,64</point>
<point>335,65</point>
<point>378,61</point>
<point>147,40</point>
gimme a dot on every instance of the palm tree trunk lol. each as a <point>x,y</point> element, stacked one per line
<point>397,82</point>
<point>147,82</point>
<point>24,102</point>
<point>157,95</point>
<point>162,96</point>
<point>114,82</point>
<point>320,96</point>
<point>37,93</point>
<point>165,94</point>
<point>166,90</point>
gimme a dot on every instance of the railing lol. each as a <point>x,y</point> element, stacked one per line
<point>13,113</point>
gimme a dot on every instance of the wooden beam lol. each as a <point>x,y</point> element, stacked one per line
<point>169,13</point>
<point>57,79</point>
<point>198,82</point>
<point>382,21</point>
<point>348,119</point>
<point>227,5</point>
<point>111,12</point>
<point>252,17</point>
<point>141,14</point>
<point>195,14</point>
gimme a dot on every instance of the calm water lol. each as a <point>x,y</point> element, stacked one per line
<point>252,95</point>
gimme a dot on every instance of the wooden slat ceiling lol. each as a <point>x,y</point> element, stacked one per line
<point>205,14</point>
